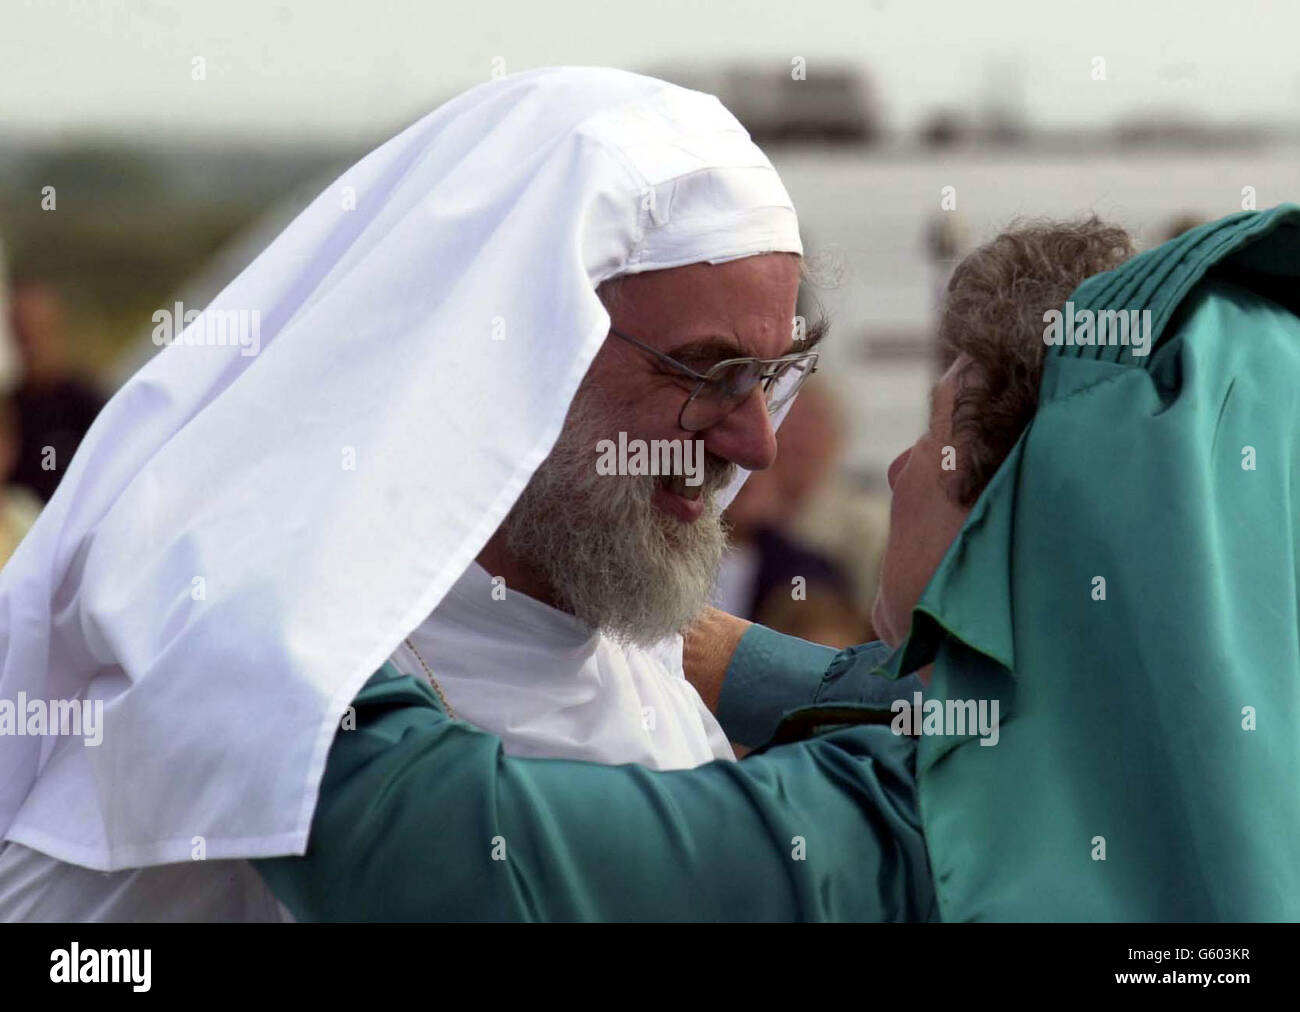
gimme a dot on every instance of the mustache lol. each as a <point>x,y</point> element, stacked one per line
<point>716,474</point>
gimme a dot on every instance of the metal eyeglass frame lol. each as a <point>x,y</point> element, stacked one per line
<point>765,377</point>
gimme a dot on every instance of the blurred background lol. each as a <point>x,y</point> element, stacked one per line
<point>150,149</point>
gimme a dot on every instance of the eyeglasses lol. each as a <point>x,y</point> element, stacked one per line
<point>728,383</point>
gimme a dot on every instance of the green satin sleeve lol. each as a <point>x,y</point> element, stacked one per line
<point>771,674</point>
<point>424,818</point>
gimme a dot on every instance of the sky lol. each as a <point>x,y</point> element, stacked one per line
<point>343,70</point>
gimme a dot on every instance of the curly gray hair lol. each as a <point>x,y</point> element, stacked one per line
<point>993,314</point>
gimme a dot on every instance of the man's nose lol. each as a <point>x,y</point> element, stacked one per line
<point>745,436</point>
<point>897,465</point>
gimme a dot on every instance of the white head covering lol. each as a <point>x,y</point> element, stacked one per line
<point>242,539</point>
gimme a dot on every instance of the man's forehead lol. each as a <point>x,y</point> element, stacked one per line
<point>749,280</point>
<point>739,308</point>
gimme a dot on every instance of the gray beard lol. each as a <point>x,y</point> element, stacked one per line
<point>610,556</point>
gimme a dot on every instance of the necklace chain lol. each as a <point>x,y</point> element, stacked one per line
<point>432,681</point>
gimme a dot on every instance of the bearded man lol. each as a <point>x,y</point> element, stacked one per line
<point>576,655</point>
<point>547,261</point>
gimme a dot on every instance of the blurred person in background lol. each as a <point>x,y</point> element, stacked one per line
<point>835,516</point>
<point>18,506</point>
<point>798,560</point>
<point>55,407</point>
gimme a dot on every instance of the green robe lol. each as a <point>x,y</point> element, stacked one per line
<point>423,818</point>
<point>1149,760</point>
